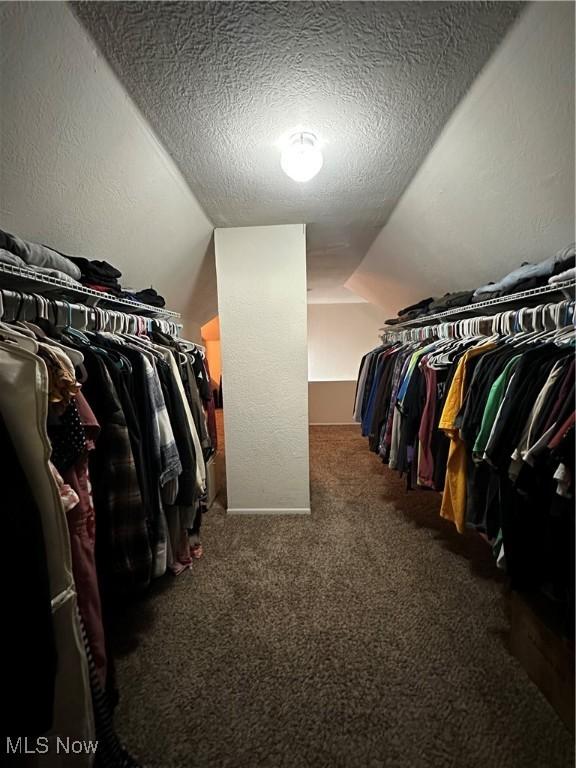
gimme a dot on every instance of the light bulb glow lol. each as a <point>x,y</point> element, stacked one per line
<point>301,158</point>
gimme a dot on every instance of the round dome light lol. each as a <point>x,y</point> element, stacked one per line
<point>301,158</point>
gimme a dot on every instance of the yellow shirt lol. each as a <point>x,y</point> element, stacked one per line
<point>454,496</point>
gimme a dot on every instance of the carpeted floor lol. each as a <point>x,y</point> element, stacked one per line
<point>367,635</point>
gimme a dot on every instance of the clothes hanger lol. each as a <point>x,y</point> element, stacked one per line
<point>95,319</point>
<point>565,330</point>
<point>10,333</point>
<point>69,330</point>
<point>102,340</point>
<point>76,357</point>
<point>519,336</point>
<point>540,332</point>
<point>539,327</point>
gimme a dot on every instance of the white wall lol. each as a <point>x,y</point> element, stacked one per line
<point>331,402</point>
<point>497,189</point>
<point>81,169</point>
<point>338,336</point>
<point>262,298</point>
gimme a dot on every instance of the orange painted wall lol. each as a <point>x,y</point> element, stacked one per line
<point>211,340</point>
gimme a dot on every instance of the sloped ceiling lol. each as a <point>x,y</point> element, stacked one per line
<point>221,82</point>
<point>81,170</point>
<point>497,189</point>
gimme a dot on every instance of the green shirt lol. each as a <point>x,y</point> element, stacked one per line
<point>495,397</point>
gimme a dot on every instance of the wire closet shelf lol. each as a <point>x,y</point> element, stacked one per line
<point>554,293</point>
<point>28,281</point>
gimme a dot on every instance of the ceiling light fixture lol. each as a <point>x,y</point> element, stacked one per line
<point>301,157</point>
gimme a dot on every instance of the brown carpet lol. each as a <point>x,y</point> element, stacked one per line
<point>369,634</point>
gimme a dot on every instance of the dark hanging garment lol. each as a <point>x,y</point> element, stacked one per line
<point>412,409</point>
<point>440,443</point>
<point>184,443</point>
<point>149,477</point>
<point>195,390</point>
<point>66,435</point>
<point>29,673</point>
<point>530,375</point>
<point>210,407</point>
<point>110,753</point>
<point>123,377</point>
<point>202,381</point>
<point>123,550</point>
<point>381,402</point>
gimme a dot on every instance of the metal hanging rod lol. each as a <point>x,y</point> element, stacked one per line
<point>16,305</point>
<point>28,281</point>
<point>523,297</point>
<point>539,318</point>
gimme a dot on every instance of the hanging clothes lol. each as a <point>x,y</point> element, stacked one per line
<point>106,486</point>
<point>28,607</point>
<point>24,392</point>
<point>486,421</point>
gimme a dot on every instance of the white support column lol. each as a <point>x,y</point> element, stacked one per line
<point>261,275</point>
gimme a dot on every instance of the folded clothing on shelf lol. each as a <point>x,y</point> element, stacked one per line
<point>556,269</point>
<point>110,286</point>
<point>525,285</point>
<point>146,296</point>
<point>6,257</point>
<point>450,300</point>
<point>421,306</point>
<point>410,313</point>
<point>98,272</point>
<point>98,275</point>
<point>35,255</point>
<point>113,289</point>
<point>528,276</point>
<point>560,277</point>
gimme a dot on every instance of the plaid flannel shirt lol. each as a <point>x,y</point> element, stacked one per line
<point>123,544</point>
<point>167,457</point>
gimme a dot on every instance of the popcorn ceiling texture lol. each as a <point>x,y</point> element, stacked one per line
<point>220,83</point>
<point>82,171</point>
<point>497,188</point>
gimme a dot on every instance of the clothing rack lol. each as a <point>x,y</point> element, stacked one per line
<point>541,318</point>
<point>29,281</point>
<point>107,432</point>
<point>557,291</point>
<point>17,305</point>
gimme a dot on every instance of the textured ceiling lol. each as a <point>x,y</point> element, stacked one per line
<point>497,189</point>
<point>221,82</point>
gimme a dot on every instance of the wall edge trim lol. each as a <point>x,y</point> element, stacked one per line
<point>268,511</point>
<point>333,424</point>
